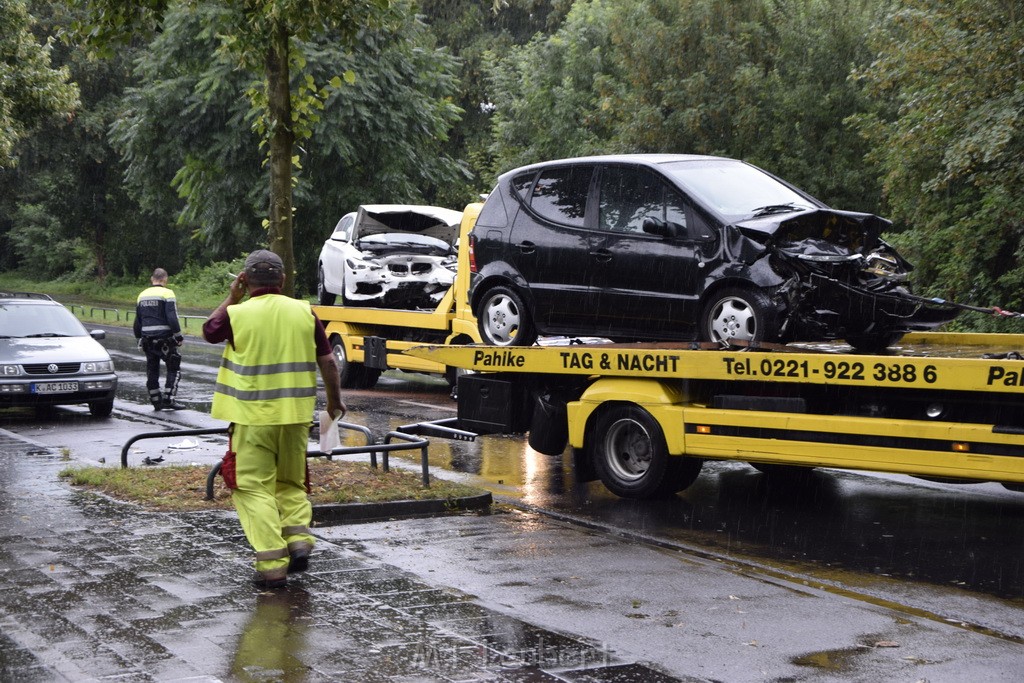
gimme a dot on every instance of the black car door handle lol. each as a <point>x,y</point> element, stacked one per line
<point>602,255</point>
<point>527,247</point>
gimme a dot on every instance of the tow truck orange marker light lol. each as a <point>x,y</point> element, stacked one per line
<point>703,429</point>
<point>961,447</point>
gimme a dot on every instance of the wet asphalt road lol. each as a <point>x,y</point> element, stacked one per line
<point>970,535</point>
<point>876,554</point>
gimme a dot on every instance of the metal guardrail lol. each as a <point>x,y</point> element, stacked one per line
<point>165,435</point>
<point>127,314</point>
<point>115,311</point>
<point>371,447</point>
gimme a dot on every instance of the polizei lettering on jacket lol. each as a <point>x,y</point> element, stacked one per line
<point>498,359</point>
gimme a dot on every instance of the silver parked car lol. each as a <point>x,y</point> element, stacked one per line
<point>47,357</point>
<point>390,255</point>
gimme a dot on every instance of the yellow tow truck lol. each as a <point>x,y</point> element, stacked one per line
<point>643,417</point>
<point>368,341</point>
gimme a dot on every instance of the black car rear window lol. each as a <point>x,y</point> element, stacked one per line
<point>560,194</point>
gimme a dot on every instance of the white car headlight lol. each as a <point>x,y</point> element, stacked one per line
<point>356,264</point>
<point>10,370</point>
<point>97,367</point>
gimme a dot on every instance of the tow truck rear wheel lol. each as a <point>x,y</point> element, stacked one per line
<point>631,458</point>
<point>350,374</point>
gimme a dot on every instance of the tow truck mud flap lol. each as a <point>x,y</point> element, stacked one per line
<point>375,353</point>
<point>491,405</point>
<point>549,424</point>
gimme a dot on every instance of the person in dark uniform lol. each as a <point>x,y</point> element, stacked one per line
<point>159,334</point>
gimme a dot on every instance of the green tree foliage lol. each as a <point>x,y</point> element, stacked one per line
<point>951,142</point>
<point>381,135</point>
<point>260,36</point>
<point>763,80</point>
<point>472,29</point>
<point>69,214</point>
<point>30,88</point>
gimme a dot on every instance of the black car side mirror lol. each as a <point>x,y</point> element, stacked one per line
<point>656,226</point>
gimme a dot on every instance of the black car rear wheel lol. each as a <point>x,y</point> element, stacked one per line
<point>736,314</point>
<point>504,320</point>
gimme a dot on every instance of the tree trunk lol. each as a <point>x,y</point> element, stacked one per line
<point>282,141</point>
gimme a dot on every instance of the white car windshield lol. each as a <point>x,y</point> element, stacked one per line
<point>735,190</point>
<point>31,320</point>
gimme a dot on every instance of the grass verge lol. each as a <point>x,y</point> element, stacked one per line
<point>183,488</point>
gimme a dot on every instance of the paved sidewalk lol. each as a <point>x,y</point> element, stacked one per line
<point>94,590</point>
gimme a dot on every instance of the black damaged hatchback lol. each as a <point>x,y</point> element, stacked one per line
<point>682,247</point>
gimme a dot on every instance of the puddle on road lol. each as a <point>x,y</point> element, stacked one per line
<point>833,661</point>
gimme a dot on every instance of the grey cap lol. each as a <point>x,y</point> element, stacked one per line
<point>264,261</point>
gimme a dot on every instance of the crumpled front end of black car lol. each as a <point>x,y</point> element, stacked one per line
<point>843,281</point>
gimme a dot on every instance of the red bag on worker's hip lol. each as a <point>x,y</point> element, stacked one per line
<point>227,470</point>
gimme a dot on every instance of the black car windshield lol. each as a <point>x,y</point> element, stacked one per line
<point>38,320</point>
<point>733,189</point>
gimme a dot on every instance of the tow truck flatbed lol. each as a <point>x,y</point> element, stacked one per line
<point>926,360</point>
<point>642,417</point>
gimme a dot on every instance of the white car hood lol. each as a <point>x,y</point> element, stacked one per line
<point>24,350</point>
<point>435,221</point>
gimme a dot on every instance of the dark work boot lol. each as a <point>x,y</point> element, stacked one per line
<point>157,400</point>
<point>298,556</point>
<point>168,403</point>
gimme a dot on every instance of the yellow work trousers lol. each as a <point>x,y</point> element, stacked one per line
<point>270,467</point>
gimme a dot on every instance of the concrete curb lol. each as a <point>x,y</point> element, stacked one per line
<point>346,513</point>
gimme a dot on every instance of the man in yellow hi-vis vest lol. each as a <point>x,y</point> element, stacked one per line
<point>266,389</point>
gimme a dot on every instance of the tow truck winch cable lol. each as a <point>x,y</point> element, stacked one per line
<point>990,310</point>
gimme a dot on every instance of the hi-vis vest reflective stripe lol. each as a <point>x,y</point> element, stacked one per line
<point>268,376</point>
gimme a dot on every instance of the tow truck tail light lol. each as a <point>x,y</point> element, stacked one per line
<point>703,429</point>
<point>472,254</point>
<point>961,447</point>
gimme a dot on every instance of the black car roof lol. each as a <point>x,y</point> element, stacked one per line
<point>643,159</point>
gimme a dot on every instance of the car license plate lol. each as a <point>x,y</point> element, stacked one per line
<point>55,387</point>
